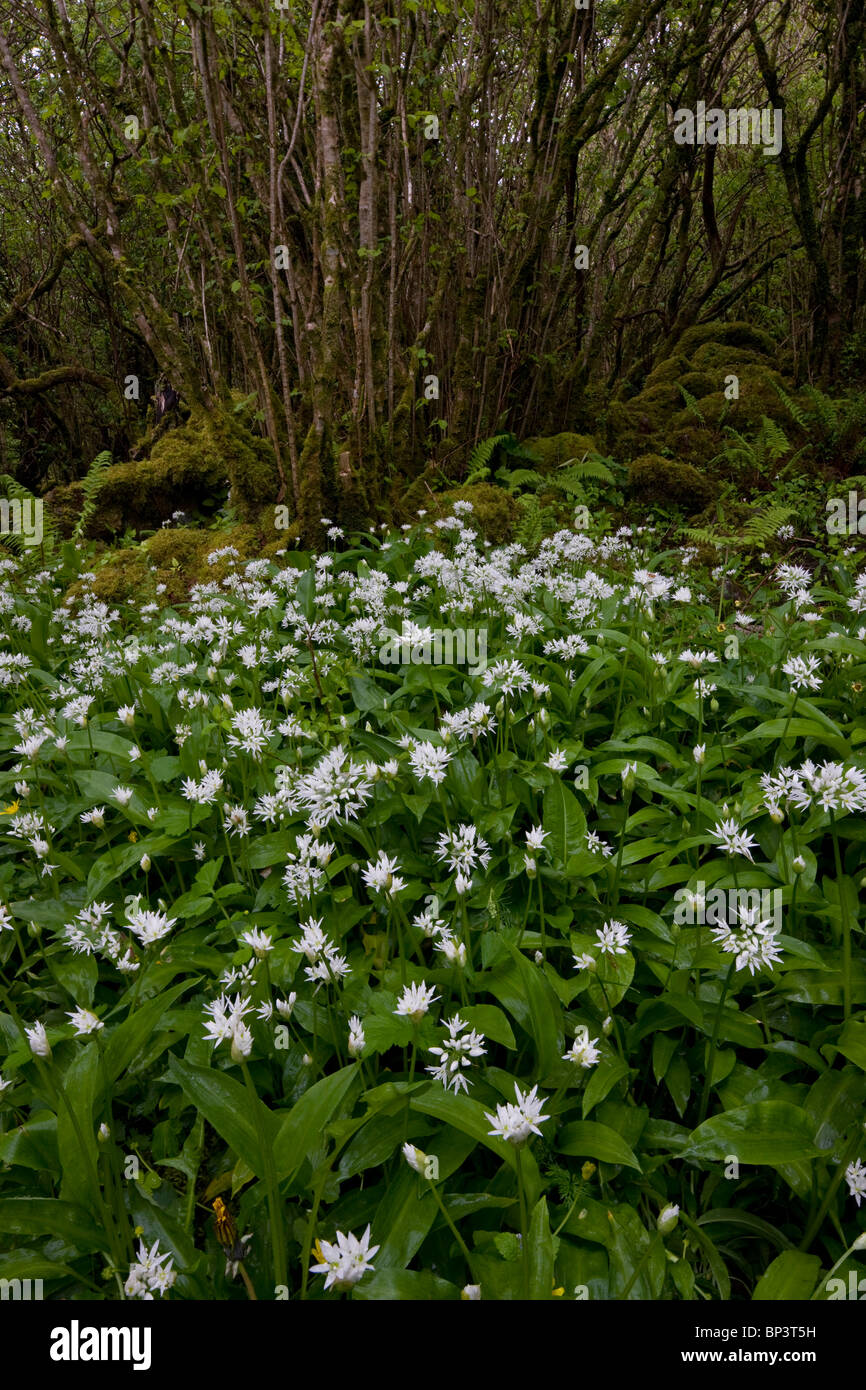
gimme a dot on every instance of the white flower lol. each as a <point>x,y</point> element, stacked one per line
<point>471,1293</point>
<point>734,840</point>
<point>429,761</point>
<point>801,670</point>
<point>557,762</point>
<point>584,1052</point>
<point>356,1036</point>
<point>585,962</point>
<point>259,941</point>
<point>699,752</point>
<point>535,838</point>
<point>416,1158</point>
<point>345,1262</point>
<point>149,926</point>
<point>455,1054</point>
<point>122,795</point>
<point>83,1021</point>
<point>855,1176</point>
<point>285,1007</point>
<point>753,943</point>
<point>415,1001</point>
<point>4,1085</point>
<point>613,938</point>
<point>147,1275</point>
<point>39,1044</point>
<point>516,1122</point>
<point>380,875</point>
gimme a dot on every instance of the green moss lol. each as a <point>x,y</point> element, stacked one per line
<point>672,369</point>
<point>555,449</point>
<point>187,470</point>
<point>494,511</point>
<point>656,479</point>
<point>758,397</point>
<point>165,567</point>
<point>64,505</point>
<point>721,360</point>
<point>732,335</point>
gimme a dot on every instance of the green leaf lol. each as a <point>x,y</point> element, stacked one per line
<point>564,820</point>
<point>127,1041</point>
<point>490,1021</point>
<point>76,1139</point>
<point>791,1276</point>
<point>404,1285</point>
<point>226,1105</point>
<point>306,594</point>
<point>32,1216</point>
<point>588,1139</point>
<point>609,1071</point>
<point>852,1043</point>
<point>540,1253</point>
<point>767,1132</point>
<point>300,1131</point>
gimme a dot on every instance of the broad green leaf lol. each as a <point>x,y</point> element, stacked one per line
<point>227,1105</point>
<point>588,1139</point>
<point>300,1130</point>
<point>767,1132</point>
<point>790,1278</point>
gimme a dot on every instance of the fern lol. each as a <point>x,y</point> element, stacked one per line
<point>91,485</point>
<point>761,527</point>
<point>794,409</point>
<point>477,469</point>
<point>15,491</point>
<point>581,472</point>
<point>520,477</point>
<point>691,404</point>
<point>530,527</point>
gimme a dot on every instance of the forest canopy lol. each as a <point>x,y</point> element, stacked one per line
<point>386,230</point>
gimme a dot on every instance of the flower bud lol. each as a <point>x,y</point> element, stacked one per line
<point>667,1219</point>
<point>144,862</point>
<point>798,864</point>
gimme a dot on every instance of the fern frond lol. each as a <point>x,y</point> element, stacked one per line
<point>11,491</point>
<point>691,403</point>
<point>794,409</point>
<point>481,455</point>
<point>91,484</point>
<point>584,471</point>
<point>761,527</point>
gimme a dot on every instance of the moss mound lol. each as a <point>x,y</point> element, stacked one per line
<point>551,450</point>
<point>187,471</point>
<point>652,478</point>
<point>494,511</point>
<point>165,567</point>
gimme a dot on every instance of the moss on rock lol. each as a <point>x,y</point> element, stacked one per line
<point>554,449</point>
<point>655,479</point>
<point>494,511</point>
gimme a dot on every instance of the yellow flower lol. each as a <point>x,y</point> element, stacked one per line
<point>132,836</point>
<point>10,810</point>
<point>557,1293</point>
<point>721,627</point>
<point>587,1170</point>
